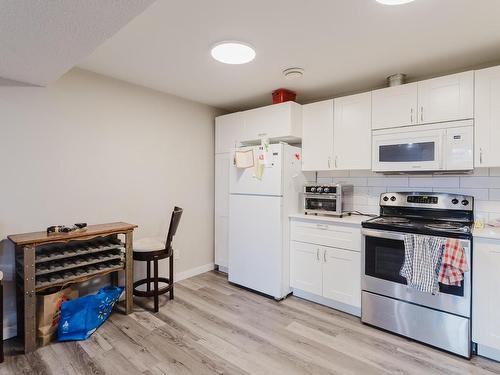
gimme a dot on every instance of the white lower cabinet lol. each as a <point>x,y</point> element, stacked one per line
<point>485,297</point>
<point>325,274</point>
<point>307,268</point>
<point>341,276</point>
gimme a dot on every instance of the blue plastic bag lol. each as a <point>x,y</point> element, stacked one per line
<point>82,316</point>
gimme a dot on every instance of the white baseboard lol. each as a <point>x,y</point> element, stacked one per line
<point>353,310</point>
<point>223,269</point>
<point>486,351</point>
<point>193,272</point>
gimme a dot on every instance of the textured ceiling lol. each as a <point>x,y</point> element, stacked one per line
<point>41,39</point>
<point>343,45</point>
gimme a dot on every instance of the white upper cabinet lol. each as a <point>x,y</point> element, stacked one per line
<point>228,132</point>
<point>487,118</point>
<point>395,106</point>
<point>277,122</point>
<point>317,136</point>
<point>352,132</point>
<point>447,98</point>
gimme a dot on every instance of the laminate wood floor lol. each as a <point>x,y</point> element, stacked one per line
<point>213,327</point>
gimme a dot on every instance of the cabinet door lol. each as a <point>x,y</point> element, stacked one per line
<point>317,136</point>
<point>282,120</point>
<point>342,276</point>
<point>486,286</point>
<point>446,98</point>
<point>487,118</point>
<point>305,265</point>
<point>394,106</point>
<point>228,131</point>
<point>222,168</point>
<point>352,136</point>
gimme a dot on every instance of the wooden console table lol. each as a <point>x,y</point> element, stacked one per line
<point>35,249</point>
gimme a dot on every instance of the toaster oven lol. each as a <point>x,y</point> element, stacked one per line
<point>335,200</point>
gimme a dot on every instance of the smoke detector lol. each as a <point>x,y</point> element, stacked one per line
<point>293,73</point>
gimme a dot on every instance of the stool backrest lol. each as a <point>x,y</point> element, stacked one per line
<point>174,223</point>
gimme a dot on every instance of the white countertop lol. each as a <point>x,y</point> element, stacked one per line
<point>487,232</point>
<point>351,219</point>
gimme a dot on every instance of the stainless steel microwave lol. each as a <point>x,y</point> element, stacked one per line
<point>335,200</point>
<point>436,147</point>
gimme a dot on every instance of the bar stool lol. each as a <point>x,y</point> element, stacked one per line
<point>152,250</point>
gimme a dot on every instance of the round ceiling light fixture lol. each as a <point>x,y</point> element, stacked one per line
<point>394,2</point>
<point>233,52</point>
<point>293,73</point>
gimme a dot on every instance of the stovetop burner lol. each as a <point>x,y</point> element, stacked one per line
<point>447,226</point>
<point>393,220</point>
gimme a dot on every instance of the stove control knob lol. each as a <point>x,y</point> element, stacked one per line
<point>454,201</point>
<point>313,189</point>
<point>465,202</point>
<point>386,198</point>
<point>393,198</point>
<point>326,190</point>
<point>319,189</point>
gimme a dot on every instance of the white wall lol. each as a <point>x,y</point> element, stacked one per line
<point>93,149</point>
<point>483,184</point>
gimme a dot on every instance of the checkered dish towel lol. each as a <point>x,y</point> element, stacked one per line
<point>422,262</point>
<point>453,264</point>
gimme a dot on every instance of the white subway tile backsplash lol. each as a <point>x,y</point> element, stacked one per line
<point>333,174</point>
<point>362,173</point>
<point>487,206</point>
<point>356,181</point>
<point>374,195</point>
<point>494,171</point>
<point>482,182</point>
<point>494,195</point>
<point>387,181</point>
<point>438,182</point>
<point>324,180</point>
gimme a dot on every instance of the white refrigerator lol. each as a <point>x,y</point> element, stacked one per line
<point>259,205</point>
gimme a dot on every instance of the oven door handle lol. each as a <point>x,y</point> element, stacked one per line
<point>383,234</point>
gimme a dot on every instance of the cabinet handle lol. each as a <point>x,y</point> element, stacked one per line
<point>322,226</point>
<point>411,116</point>
<point>324,255</point>
<point>422,114</point>
<point>317,254</point>
<point>480,156</point>
<point>261,135</point>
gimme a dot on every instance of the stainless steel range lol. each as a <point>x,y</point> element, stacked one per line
<point>442,319</point>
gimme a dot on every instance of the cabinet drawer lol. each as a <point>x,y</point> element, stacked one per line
<point>326,234</point>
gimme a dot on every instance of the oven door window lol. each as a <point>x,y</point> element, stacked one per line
<point>408,152</point>
<point>384,259</point>
<point>322,204</point>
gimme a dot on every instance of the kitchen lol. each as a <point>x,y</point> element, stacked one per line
<point>270,188</point>
<point>421,145</point>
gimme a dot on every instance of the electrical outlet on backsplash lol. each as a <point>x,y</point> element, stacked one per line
<point>483,184</point>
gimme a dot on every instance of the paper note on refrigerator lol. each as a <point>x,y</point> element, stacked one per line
<point>244,159</point>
